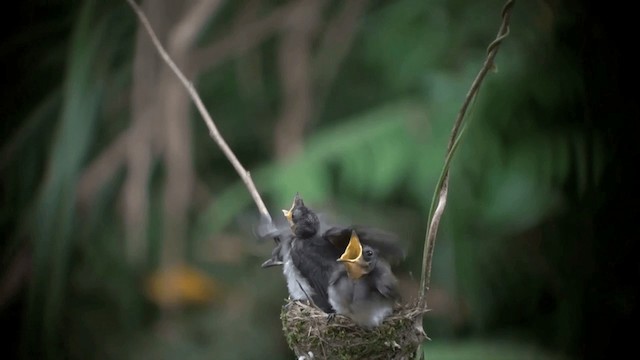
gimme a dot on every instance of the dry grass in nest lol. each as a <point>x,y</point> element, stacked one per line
<point>311,336</point>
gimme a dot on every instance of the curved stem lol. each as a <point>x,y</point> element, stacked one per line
<point>439,199</point>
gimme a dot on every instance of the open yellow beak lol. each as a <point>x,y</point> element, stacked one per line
<point>288,214</point>
<point>352,258</point>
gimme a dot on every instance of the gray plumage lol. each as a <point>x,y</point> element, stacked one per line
<point>312,258</point>
<point>309,263</point>
<point>306,256</point>
<point>281,251</point>
<point>368,299</point>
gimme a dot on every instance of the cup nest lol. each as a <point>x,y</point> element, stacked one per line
<point>311,336</point>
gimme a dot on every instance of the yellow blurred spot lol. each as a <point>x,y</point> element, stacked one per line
<point>181,285</point>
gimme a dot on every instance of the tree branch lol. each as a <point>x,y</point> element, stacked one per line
<point>334,46</point>
<point>241,39</point>
<point>101,169</point>
<point>294,60</point>
<point>174,104</point>
<point>213,130</point>
<point>141,136</point>
<point>249,68</point>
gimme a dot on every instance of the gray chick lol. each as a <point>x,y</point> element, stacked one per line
<point>363,287</point>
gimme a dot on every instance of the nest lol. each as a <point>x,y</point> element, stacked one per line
<point>311,336</point>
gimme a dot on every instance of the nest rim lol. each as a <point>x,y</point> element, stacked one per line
<point>308,331</point>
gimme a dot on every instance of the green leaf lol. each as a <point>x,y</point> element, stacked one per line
<point>369,150</point>
<point>54,213</point>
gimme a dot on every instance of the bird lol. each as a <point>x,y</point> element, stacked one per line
<point>363,287</point>
<point>385,242</point>
<point>283,238</point>
<point>310,259</point>
<point>280,235</point>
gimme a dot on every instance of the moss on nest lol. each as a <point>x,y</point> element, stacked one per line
<point>311,336</point>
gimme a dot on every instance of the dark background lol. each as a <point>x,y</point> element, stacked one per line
<point>144,246</point>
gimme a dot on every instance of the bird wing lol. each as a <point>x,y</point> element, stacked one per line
<point>386,243</point>
<point>276,257</point>
<point>271,262</point>
<point>338,274</point>
<point>315,265</point>
<point>384,281</point>
<point>270,229</point>
<point>279,252</point>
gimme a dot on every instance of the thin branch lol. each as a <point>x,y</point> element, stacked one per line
<point>241,39</point>
<point>102,168</point>
<point>139,147</point>
<point>439,200</point>
<point>335,45</point>
<point>213,130</point>
<point>249,68</point>
<point>294,62</point>
<point>174,104</point>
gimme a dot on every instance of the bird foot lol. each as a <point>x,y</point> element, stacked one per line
<point>331,317</point>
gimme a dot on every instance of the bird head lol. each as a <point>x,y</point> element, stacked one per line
<point>303,222</point>
<point>359,260</point>
<point>297,204</point>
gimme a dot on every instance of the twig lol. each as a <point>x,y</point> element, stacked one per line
<point>441,190</point>
<point>213,130</point>
<point>138,150</point>
<point>249,68</point>
<point>439,200</point>
<point>335,45</point>
<point>174,104</point>
<point>305,293</point>
<point>294,62</point>
<point>241,39</point>
<point>101,169</point>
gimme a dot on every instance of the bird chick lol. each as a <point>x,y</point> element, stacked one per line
<point>311,257</point>
<point>363,287</point>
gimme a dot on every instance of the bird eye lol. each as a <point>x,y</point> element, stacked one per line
<point>368,253</point>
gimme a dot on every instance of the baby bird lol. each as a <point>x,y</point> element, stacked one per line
<point>309,258</point>
<point>363,287</point>
<point>302,222</point>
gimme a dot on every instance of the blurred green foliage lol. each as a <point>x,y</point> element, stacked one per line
<point>518,243</point>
